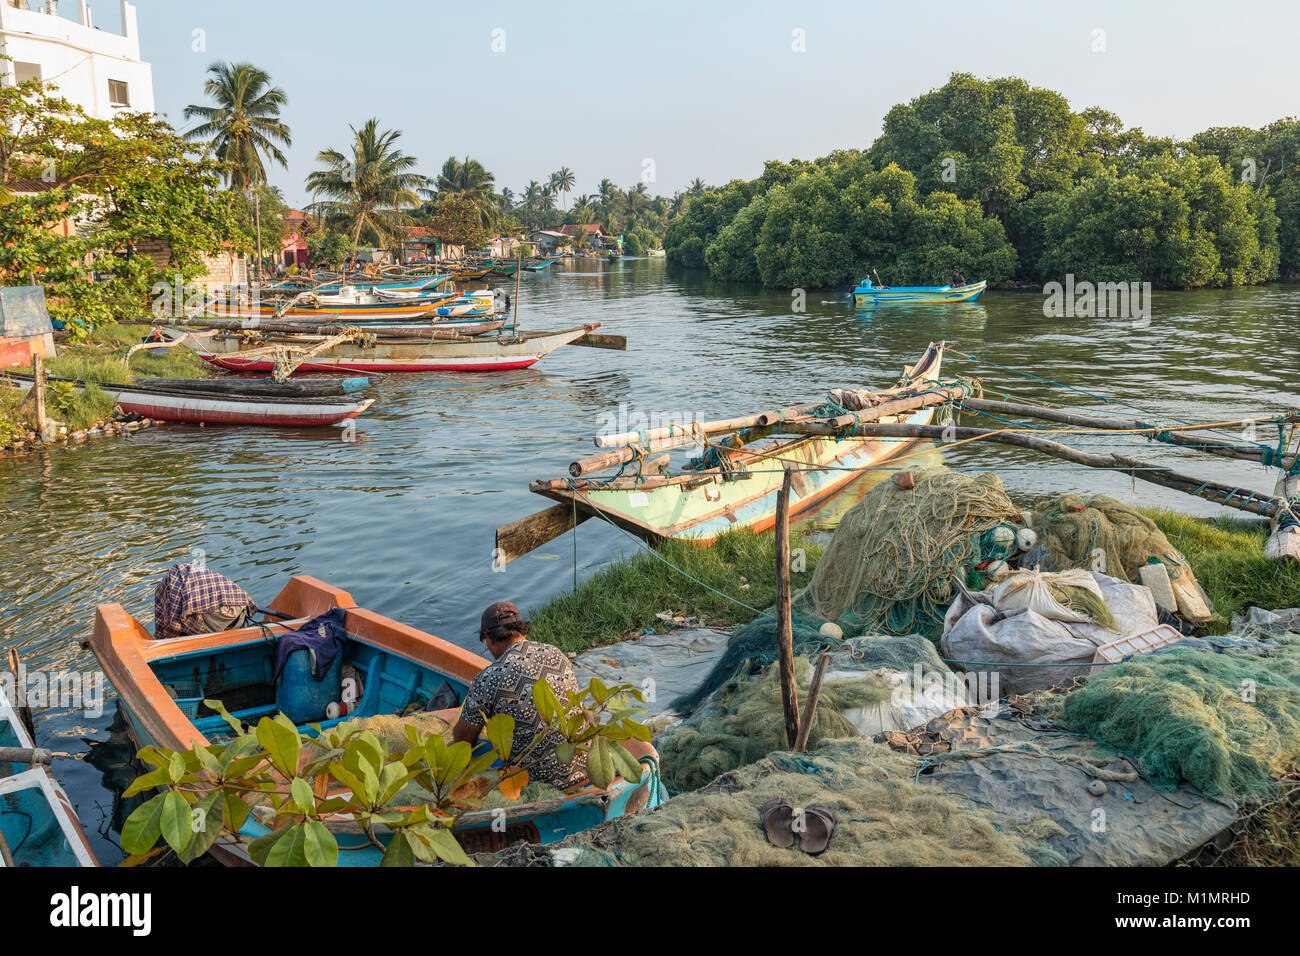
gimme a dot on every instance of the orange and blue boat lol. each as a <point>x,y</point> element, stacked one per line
<point>868,294</point>
<point>162,685</point>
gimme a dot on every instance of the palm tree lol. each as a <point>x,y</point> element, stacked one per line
<point>696,188</point>
<point>243,126</point>
<point>637,199</point>
<point>370,190</point>
<point>562,181</point>
<point>469,180</point>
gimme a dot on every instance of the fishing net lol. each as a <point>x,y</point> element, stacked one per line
<point>883,818</point>
<point>1100,533</point>
<point>1224,722</point>
<point>753,647</point>
<point>890,566</point>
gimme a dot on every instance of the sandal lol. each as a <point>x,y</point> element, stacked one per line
<point>776,817</point>
<point>819,824</point>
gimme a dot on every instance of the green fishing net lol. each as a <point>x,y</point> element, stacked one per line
<point>890,566</point>
<point>883,818</point>
<point>1222,722</point>
<point>1073,528</point>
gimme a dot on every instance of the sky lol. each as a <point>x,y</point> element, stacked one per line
<point>670,91</point>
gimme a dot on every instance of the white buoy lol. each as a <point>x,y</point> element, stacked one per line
<point>832,630</point>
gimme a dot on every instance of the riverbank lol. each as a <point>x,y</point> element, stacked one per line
<point>731,582</point>
<point>89,412</point>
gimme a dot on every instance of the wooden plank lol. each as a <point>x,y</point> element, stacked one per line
<point>810,705</point>
<point>38,370</point>
<point>518,538</point>
<point>784,626</point>
<point>595,340</point>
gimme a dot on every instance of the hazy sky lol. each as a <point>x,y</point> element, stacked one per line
<point>703,88</point>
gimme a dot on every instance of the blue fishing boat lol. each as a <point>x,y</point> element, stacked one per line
<point>38,826</point>
<point>162,685</point>
<point>868,293</point>
<point>420,283</point>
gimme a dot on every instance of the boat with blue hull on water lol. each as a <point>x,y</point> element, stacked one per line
<point>868,294</point>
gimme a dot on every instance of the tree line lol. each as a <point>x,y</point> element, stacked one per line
<point>1004,181</point>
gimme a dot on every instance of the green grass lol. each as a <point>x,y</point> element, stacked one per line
<point>100,358</point>
<point>622,599</point>
<point>1227,556</point>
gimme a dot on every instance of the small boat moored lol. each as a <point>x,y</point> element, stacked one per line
<point>38,826</point>
<point>868,294</point>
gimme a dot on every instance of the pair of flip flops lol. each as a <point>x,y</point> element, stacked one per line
<point>781,821</point>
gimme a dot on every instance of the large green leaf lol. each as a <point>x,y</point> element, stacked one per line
<point>544,699</point>
<point>208,813</point>
<point>220,708</point>
<point>500,731</point>
<point>143,827</point>
<point>319,845</point>
<point>235,813</point>
<point>176,823</point>
<point>399,851</point>
<point>290,849</point>
<point>438,843</point>
<point>303,796</point>
<point>148,781</point>
<point>628,767</point>
<point>600,763</point>
<point>281,741</point>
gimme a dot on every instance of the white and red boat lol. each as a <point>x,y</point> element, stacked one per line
<point>193,405</point>
<point>486,353</point>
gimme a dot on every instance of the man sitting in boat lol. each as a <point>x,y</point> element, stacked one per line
<point>957,278</point>
<point>506,687</point>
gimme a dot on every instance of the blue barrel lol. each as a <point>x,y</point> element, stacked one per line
<point>303,698</point>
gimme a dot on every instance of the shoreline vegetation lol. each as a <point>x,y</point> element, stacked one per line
<point>1004,181</point>
<point>623,599</point>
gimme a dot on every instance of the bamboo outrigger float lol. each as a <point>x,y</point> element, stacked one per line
<point>737,486</point>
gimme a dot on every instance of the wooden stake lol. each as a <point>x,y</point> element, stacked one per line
<point>38,372</point>
<point>20,692</point>
<point>810,705</point>
<point>784,626</point>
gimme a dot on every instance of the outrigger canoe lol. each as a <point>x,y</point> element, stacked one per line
<point>740,489</point>
<point>162,686</point>
<point>486,353</point>
<point>419,283</point>
<point>219,406</point>
<point>868,295</point>
<point>38,826</point>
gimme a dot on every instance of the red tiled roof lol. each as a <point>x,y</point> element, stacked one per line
<point>572,229</point>
<point>417,232</point>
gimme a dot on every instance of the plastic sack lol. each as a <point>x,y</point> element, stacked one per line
<point>1028,590</point>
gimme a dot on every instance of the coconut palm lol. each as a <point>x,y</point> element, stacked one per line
<point>244,125</point>
<point>696,188</point>
<point>369,190</point>
<point>562,181</point>
<point>471,181</point>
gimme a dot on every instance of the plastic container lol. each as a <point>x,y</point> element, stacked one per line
<point>303,698</point>
<point>1142,642</point>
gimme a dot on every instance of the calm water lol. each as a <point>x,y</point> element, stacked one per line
<point>404,516</point>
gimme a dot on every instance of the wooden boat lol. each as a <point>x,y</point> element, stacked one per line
<point>486,353</point>
<point>216,407</point>
<point>352,307</point>
<point>38,825</point>
<point>162,685</point>
<point>317,386</point>
<point>414,283</point>
<point>482,302</point>
<point>741,490</point>
<point>867,294</point>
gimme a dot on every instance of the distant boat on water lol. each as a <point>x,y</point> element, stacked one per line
<point>868,294</point>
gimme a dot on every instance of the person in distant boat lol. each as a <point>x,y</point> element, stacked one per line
<point>958,278</point>
<point>506,687</point>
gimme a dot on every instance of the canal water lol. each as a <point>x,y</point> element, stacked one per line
<point>403,516</point>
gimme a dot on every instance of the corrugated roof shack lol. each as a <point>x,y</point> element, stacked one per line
<point>25,328</point>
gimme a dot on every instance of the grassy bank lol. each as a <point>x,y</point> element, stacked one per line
<point>1227,556</point>
<point>99,359</point>
<point>622,599</point>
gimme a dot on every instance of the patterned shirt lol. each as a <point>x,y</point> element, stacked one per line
<point>188,593</point>
<point>506,687</point>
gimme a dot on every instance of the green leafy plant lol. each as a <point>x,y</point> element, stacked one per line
<point>300,785</point>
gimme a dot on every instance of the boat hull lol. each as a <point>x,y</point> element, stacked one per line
<point>919,295</point>
<point>483,354</point>
<point>133,663</point>
<point>702,508</point>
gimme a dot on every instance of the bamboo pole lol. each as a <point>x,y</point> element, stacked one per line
<point>38,373</point>
<point>1232,497</point>
<point>1175,435</point>
<point>810,705</point>
<point>20,692</point>
<point>784,625</point>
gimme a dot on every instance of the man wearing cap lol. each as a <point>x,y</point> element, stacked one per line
<point>506,687</point>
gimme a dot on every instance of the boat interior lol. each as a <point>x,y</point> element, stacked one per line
<point>32,830</point>
<point>240,675</point>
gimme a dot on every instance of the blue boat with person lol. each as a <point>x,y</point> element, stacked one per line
<point>870,293</point>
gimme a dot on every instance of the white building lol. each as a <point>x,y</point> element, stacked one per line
<point>100,71</point>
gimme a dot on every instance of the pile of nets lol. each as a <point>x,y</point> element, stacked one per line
<point>890,567</point>
<point>753,647</point>
<point>745,721</point>
<point>1102,534</point>
<point>1223,722</point>
<point>883,818</point>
